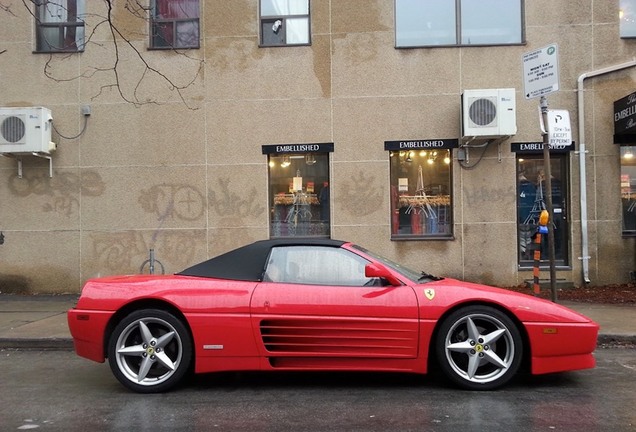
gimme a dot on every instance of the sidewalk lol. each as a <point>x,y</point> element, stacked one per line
<point>39,322</point>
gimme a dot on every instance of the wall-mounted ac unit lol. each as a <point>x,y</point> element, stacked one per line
<point>489,113</point>
<point>26,130</point>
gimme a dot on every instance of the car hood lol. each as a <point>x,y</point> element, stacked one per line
<point>451,292</point>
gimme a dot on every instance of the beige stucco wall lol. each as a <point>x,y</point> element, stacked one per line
<point>180,170</point>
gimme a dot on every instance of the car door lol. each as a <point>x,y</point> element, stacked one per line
<point>316,302</point>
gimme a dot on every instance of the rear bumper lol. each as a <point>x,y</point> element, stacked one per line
<point>88,329</point>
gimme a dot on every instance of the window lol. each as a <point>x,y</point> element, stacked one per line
<point>420,193</point>
<point>60,26</point>
<point>532,199</point>
<point>174,24</point>
<point>628,189</point>
<point>627,17</point>
<point>316,265</point>
<point>458,22</point>
<point>284,22</point>
<point>299,194</point>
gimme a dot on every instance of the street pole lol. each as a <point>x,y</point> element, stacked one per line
<point>547,169</point>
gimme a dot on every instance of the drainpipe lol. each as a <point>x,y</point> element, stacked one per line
<point>583,177</point>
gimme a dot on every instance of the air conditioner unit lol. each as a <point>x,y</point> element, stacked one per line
<point>26,130</point>
<point>489,113</point>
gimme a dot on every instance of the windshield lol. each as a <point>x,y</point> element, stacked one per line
<point>412,275</point>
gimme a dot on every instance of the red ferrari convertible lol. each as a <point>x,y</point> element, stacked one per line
<point>320,305</point>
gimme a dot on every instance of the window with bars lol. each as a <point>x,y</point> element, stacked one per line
<point>60,26</point>
<point>174,24</point>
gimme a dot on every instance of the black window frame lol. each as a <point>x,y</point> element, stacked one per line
<point>267,23</point>
<point>421,211</point>
<point>156,23</point>
<point>63,27</point>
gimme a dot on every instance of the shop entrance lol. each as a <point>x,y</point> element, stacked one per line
<point>531,199</point>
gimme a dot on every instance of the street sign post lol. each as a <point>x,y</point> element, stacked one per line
<point>541,71</point>
<point>541,77</point>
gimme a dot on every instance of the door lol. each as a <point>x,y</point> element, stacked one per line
<point>316,302</point>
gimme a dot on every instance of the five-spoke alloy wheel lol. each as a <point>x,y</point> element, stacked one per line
<point>150,351</point>
<point>479,348</point>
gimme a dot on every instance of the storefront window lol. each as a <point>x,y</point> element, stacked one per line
<point>532,199</point>
<point>421,204</point>
<point>299,191</point>
<point>628,189</point>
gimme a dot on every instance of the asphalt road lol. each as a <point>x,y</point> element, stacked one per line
<point>56,390</point>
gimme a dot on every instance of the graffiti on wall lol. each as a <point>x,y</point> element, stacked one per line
<point>227,203</point>
<point>123,252</point>
<point>61,192</point>
<point>173,201</point>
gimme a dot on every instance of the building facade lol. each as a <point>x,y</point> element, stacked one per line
<point>187,128</point>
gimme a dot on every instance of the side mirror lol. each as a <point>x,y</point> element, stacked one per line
<point>375,270</point>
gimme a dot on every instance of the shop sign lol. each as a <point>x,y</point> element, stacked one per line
<point>559,129</point>
<point>625,120</point>
<point>541,71</point>
<point>298,148</point>
<point>537,147</point>
<point>421,144</point>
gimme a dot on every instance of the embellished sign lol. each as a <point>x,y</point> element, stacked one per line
<point>421,144</point>
<point>537,147</point>
<point>298,148</point>
<point>625,120</point>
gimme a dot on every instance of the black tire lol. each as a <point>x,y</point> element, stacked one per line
<point>479,348</point>
<point>150,351</point>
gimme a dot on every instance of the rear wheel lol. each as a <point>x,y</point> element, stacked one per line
<point>150,351</point>
<point>479,348</point>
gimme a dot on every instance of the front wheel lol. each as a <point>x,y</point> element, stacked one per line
<point>479,348</point>
<point>150,351</point>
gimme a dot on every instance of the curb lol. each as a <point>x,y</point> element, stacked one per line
<point>612,340</point>
<point>58,344</point>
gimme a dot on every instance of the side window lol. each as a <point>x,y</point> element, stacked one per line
<point>284,22</point>
<point>59,26</point>
<point>627,17</point>
<point>458,22</point>
<point>174,24</point>
<point>420,191</point>
<point>316,265</point>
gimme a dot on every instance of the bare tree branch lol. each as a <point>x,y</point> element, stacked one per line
<point>120,43</point>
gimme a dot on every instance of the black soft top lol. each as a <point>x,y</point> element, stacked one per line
<point>247,263</point>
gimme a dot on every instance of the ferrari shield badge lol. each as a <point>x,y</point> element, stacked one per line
<point>429,293</point>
